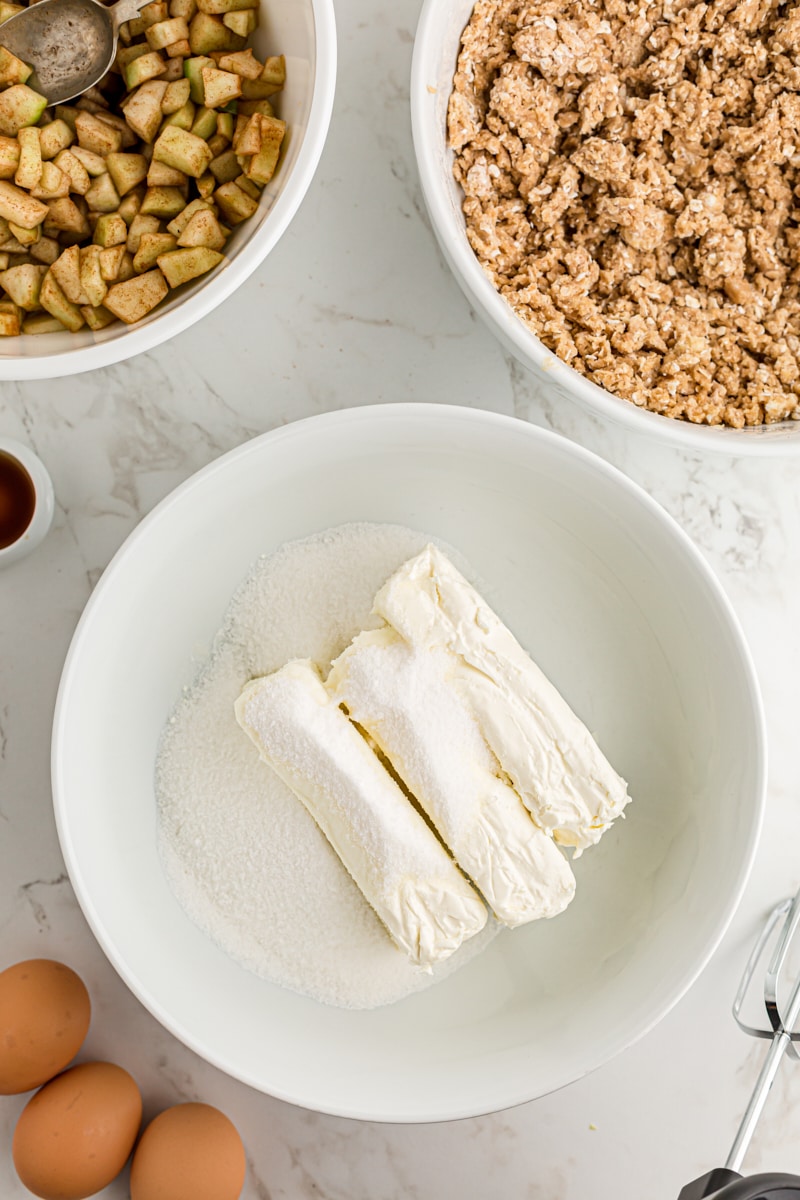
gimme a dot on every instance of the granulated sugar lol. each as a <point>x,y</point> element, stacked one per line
<point>244,857</point>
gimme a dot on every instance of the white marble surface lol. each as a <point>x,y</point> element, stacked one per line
<point>356,306</point>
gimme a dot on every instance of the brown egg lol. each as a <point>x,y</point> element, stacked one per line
<point>74,1136</point>
<point>189,1152</point>
<point>44,1016</point>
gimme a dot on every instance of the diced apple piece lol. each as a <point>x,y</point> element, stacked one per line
<point>65,112</point>
<point>95,164</point>
<point>247,185</point>
<point>182,119</point>
<point>160,175</point>
<point>53,300</point>
<point>179,223</point>
<point>275,71</point>
<point>29,171</point>
<point>258,89</point>
<point>65,216</point>
<point>67,272</point>
<point>193,70</point>
<point>225,125</point>
<point>94,134</point>
<point>205,185</point>
<point>129,207</point>
<point>143,108</point>
<point>164,202</point>
<point>142,69</point>
<point>128,54</point>
<point>150,246</point>
<point>54,183</point>
<point>13,69</point>
<point>10,324</point>
<point>224,6</point>
<point>23,284</point>
<point>92,282</point>
<point>180,50</point>
<point>46,250</point>
<point>110,230</point>
<point>110,262</point>
<point>164,33</point>
<point>42,323</point>
<point>126,270</point>
<point>183,8</point>
<point>248,107</point>
<point>180,266</point>
<point>127,135</point>
<point>138,226</point>
<point>9,157</point>
<point>175,96</point>
<point>234,204</point>
<point>102,196</point>
<point>79,178</point>
<point>25,237</point>
<point>183,150</point>
<point>220,87</point>
<point>54,138</point>
<point>97,317</point>
<point>241,63</point>
<point>208,33</point>
<point>203,230</point>
<point>218,144</point>
<point>205,122</point>
<point>134,299</point>
<point>242,23</point>
<point>247,138</point>
<point>262,165</point>
<point>9,10</point>
<point>18,206</point>
<point>151,14</point>
<point>126,170</point>
<point>20,106</point>
<point>225,167</point>
<point>174,68</point>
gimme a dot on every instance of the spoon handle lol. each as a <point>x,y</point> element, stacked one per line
<point>126,10</point>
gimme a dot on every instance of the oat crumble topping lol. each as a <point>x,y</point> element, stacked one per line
<point>631,173</point>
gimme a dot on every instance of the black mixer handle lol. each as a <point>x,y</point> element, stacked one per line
<point>723,1184</point>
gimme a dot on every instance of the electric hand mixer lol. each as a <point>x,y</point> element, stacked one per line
<point>725,1183</point>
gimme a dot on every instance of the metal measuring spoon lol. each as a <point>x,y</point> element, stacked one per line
<point>69,43</point>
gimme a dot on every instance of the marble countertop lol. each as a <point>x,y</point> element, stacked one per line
<point>356,306</point>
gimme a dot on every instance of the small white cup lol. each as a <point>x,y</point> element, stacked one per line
<point>44,504</point>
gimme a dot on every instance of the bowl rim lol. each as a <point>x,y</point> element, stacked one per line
<point>137,339</point>
<point>778,440</point>
<point>378,415</point>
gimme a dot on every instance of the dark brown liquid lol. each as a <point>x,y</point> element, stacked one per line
<point>17,500</point>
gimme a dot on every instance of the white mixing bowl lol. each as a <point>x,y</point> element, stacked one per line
<point>436,47</point>
<point>622,613</point>
<point>305,32</point>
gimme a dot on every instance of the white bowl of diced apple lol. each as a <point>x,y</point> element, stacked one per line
<point>129,213</point>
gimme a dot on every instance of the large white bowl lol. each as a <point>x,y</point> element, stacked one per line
<point>623,614</point>
<point>436,47</point>
<point>305,31</point>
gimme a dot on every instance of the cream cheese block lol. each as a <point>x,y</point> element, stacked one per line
<point>554,763</point>
<point>403,871</point>
<point>405,700</point>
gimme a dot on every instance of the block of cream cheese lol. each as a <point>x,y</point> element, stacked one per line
<point>570,788</point>
<point>404,872</point>
<point>405,700</point>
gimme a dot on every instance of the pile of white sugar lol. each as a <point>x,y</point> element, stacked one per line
<point>243,856</point>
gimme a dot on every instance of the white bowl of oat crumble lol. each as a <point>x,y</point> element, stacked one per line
<point>613,216</point>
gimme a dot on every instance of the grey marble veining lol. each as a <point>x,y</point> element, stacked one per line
<point>355,306</point>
